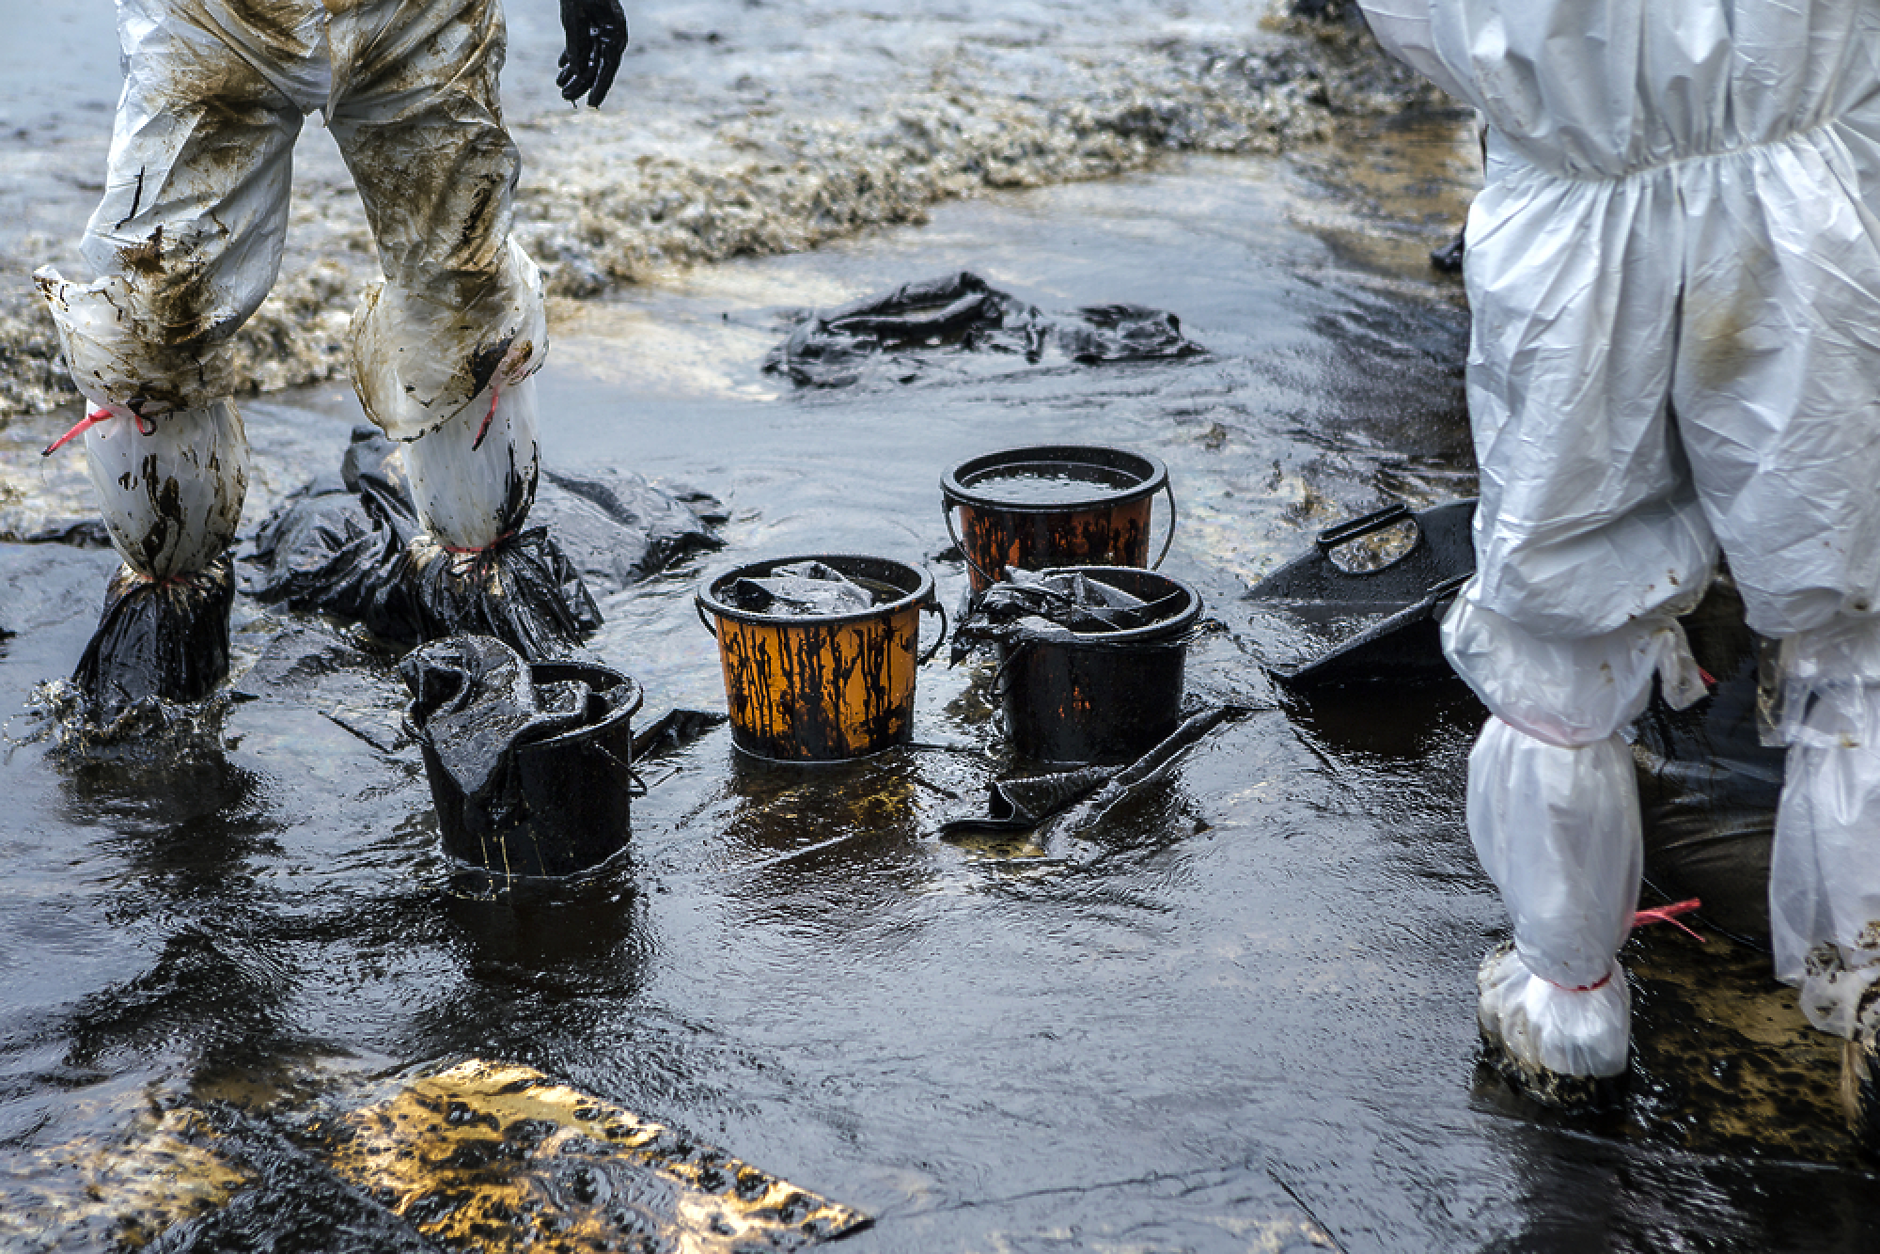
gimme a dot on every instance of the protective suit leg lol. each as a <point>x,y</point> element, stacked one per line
<point>186,242</point>
<point>1553,814</point>
<point>1557,829</point>
<point>460,309</point>
<point>445,347</point>
<point>172,498</point>
<point>1824,875</point>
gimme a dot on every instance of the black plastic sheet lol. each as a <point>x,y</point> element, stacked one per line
<point>165,639</point>
<point>353,547</point>
<point>1708,786</point>
<point>891,334</point>
<point>1064,803</point>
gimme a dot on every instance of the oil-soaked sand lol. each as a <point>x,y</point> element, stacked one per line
<point>1236,1015</point>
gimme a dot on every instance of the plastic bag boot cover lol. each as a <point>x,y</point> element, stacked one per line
<point>171,499</point>
<point>1557,829</point>
<point>159,638</point>
<point>1824,875</point>
<point>1561,1046</point>
<point>470,495</point>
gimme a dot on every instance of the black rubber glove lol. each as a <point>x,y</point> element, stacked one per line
<point>597,35</point>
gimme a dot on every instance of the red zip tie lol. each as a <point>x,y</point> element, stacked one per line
<point>78,428</point>
<point>1710,680</point>
<point>1668,914</point>
<point>1601,982</point>
<point>486,548</point>
<point>483,430</point>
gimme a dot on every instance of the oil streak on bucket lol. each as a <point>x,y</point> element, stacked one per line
<point>1054,505</point>
<point>822,687</point>
<point>575,789</point>
<point>1101,697</point>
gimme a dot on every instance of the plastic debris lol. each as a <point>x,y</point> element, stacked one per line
<point>507,799</point>
<point>801,588</point>
<point>963,313</point>
<point>1027,606</point>
<point>355,548</point>
<point>1065,803</point>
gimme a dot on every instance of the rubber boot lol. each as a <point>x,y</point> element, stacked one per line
<point>171,492</point>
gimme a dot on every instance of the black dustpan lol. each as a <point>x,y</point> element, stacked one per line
<point>1320,624</point>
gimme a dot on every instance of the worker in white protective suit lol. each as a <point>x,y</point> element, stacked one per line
<point>187,242</point>
<point>1675,287</point>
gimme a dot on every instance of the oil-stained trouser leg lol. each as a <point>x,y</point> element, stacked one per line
<point>443,349</point>
<point>186,241</point>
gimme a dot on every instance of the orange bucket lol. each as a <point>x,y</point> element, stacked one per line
<point>805,687</point>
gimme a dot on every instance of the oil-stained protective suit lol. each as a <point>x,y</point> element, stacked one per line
<point>1675,284</point>
<point>188,237</point>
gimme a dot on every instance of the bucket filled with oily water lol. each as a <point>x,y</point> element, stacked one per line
<point>1091,659</point>
<point>1054,505</point>
<point>819,653</point>
<point>530,764</point>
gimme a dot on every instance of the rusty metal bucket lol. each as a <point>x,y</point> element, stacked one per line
<point>822,687</point>
<point>1054,505</point>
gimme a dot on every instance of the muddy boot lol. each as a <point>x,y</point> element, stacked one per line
<point>1860,1075</point>
<point>1559,1046</point>
<point>170,490</point>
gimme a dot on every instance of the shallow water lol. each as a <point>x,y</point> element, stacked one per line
<point>1234,1014</point>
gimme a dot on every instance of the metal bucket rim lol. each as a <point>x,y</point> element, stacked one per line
<point>707,595</point>
<point>1174,625</point>
<point>957,493</point>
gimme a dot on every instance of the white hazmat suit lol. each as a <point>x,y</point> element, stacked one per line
<point>1675,286</point>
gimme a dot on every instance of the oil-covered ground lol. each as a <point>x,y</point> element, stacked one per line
<point>1235,1013</point>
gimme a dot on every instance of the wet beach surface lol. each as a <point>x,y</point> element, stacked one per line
<point>1236,1013</point>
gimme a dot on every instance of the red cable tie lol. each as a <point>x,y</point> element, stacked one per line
<point>1601,982</point>
<point>486,548</point>
<point>1668,914</point>
<point>78,428</point>
<point>1710,680</point>
<point>495,394</point>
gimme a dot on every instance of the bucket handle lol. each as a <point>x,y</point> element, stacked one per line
<point>1168,488</point>
<point>1377,520</point>
<point>947,508</point>
<point>699,609</point>
<point>939,640</point>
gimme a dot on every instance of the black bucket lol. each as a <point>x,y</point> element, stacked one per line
<point>1054,505</point>
<point>1101,697</point>
<point>575,789</point>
